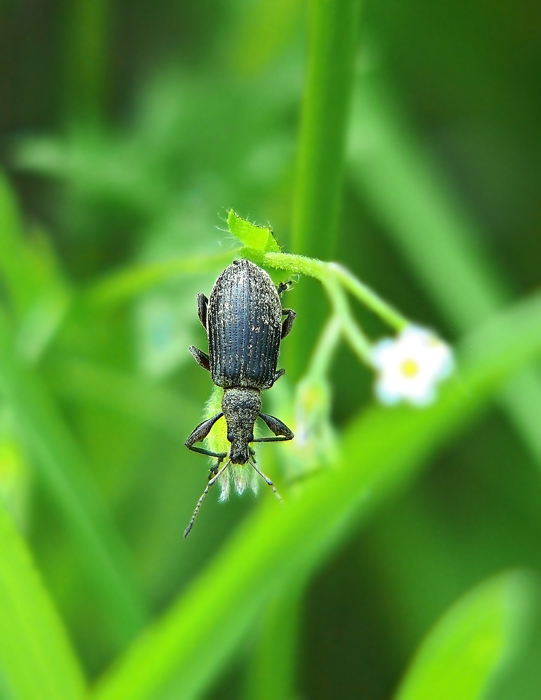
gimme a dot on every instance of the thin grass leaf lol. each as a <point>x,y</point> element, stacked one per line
<point>333,32</point>
<point>272,672</point>
<point>36,660</point>
<point>134,281</point>
<point>462,653</point>
<point>36,292</point>
<point>63,470</point>
<point>87,31</point>
<point>430,229</point>
<point>128,395</point>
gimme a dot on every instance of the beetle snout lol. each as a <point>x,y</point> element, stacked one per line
<point>239,453</point>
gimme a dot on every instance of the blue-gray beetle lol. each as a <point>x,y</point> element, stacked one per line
<point>243,320</point>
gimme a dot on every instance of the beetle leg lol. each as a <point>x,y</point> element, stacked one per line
<point>211,482</point>
<point>200,357</point>
<point>283,287</point>
<point>288,322</point>
<point>279,374</point>
<point>220,456</point>
<point>202,303</point>
<point>215,468</point>
<point>199,434</point>
<point>278,428</point>
<point>268,481</point>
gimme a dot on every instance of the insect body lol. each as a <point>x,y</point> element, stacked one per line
<point>243,320</point>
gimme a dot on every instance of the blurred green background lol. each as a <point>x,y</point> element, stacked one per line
<point>400,139</point>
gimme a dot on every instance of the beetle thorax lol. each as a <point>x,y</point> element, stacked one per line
<point>240,408</point>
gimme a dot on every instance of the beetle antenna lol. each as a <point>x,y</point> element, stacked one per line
<point>210,483</point>
<point>269,482</point>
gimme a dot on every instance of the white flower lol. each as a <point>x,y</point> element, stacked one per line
<point>410,366</point>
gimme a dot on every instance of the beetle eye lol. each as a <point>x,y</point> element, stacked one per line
<point>250,437</point>
<point>230,437</point>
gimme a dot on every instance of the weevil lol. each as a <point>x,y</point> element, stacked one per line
<point>245,324</point>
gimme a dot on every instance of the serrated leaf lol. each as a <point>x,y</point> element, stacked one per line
<point>258,238</point>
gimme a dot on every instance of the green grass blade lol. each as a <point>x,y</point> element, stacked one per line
<point>334,28</point>
<point>86,37</point>
<point>436,237</point>
<point>13,263</point>
<point>36,660</point>
<point>423,219</point>
<point>62,469</point>
<point>130,283</point>
<point>26,272</point>
<point>275,653</point>
<point>87,383</point>
<point>30,277</point>
<point>460,656</point>
<point>275,546</point>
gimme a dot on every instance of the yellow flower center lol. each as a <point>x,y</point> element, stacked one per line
<point>410,368</point>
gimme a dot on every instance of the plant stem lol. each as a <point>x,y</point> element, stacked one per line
<point>368,297</point>
<point>348,325</point>
<point>325,347</point>
<point>87,38</point>
<point>333,277</point>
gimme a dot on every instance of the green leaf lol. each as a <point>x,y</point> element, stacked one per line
<point>382,450</point>
<point>36,660</point>
<point>438,239</point>
<point>272,672</point>
<point>62,468</point>
<point>459,657</point>
<point>37,293</point>
<point>318,191</point>
<point>258,238</point>
<point>333,41</point>
<point>134,281</point>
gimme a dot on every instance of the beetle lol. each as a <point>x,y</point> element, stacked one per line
<point>243,321</point>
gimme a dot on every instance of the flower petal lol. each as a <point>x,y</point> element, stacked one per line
<point>410,366</point>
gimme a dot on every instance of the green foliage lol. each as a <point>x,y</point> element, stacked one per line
<point>259,238</point>
<point>119,207</point>
<point>172,654</point>
<point>36,657</point>
<point>461,653</point>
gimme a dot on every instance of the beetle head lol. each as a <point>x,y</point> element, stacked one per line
<point>240,408</point>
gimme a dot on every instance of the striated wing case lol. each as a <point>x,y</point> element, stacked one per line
<point>244,327</point>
